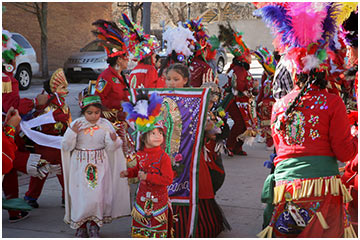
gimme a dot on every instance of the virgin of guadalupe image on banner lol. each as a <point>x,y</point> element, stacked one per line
<point>184,114</point>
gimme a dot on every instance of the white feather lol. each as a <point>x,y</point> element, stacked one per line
<point>178,39</point>
<point>310,62</point>
<point>141,107</point>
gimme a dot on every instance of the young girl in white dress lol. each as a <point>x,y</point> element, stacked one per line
<point>92,160</point>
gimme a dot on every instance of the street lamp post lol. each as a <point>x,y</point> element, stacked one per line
<point>189,9</point>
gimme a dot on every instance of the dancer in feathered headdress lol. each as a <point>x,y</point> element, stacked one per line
<point>180,45</point>
<point>112,85</point>
<point>309,127</point>
<point>203,54</point>
<point>240,91</point>
<point>152,215</point>
<point>143,48</point>
<point>265,99</point>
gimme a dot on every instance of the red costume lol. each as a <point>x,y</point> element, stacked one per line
<point>150,214</point>
<point>62,116</point>
<point>8,150</point>
<point>12,98</point>
<point>113,89</point>
<point>265,101</point>
<point>306,177</point>
<point>239,107</point>
<point>145,75</point>
<point>198,68</point>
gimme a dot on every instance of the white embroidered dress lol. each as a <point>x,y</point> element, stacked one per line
<point>92,163</point>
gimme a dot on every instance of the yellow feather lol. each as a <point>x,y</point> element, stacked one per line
<point>345,10</point>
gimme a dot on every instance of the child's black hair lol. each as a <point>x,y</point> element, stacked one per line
<point>97,105</point>
<point>181,69</point>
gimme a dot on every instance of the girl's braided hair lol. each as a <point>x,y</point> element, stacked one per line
<point>307,79</point>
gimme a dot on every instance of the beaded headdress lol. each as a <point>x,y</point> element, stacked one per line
<point>266,59</point>
<point>145,112</point>
<point>57,78</point>
<point>140,44</point>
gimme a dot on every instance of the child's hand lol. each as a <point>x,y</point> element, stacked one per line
<point>124,174</point>
<point>76,127</point>
<point>113,136</point>
<point>142,175</point>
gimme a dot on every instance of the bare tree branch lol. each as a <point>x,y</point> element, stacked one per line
<point>25,7</point>
<point>169,13</point>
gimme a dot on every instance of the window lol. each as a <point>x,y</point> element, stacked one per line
<point>21,41</point>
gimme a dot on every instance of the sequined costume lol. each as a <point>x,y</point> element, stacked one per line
<point>150,214</point>
<point>305,189</point>
<point>92,162</point>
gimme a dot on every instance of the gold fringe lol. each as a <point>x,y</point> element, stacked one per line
<point>304,189</point>
<point>322,220</point>
<point>326,186</point>
<point>162,218</point>
<point>6,87</point>
<point>267,232</point>
<point>321,181</point>
<point>295,191</point>
<point>337,186</point>
<point>346,195</point>
<point>349,232</point>
<point>135,214</point>
<point>316,188</point>
<point>311,187</point>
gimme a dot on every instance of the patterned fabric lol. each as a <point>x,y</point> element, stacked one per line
<point>283,82</point>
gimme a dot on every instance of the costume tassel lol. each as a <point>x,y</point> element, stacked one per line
<point>326,186</point>
<point>162,218</point>
<point>337,184</point>
<point>276,193</point>
<point>316,189</point>
<point>346,195</point>
<point>354,235</point>
<point>295,191</point>
<point>135,214</point>
<point>322,220</point>
<point>6,87</point>
<point>281,192</point>
<point>266,233</point>
<point>311,187</point>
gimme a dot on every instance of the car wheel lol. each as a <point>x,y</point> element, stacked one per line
<point>220,65</point>
<point>23,75</point>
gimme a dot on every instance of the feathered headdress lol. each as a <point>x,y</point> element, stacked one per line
<point>112,38</point>
<point>180,40</point>
<point>145,113</point>
<point>305,29</point>
<point>199,33</point>
<point>266,59</point>
<point>140,44</point>
<point>233,41</point>
<point>10,49</point>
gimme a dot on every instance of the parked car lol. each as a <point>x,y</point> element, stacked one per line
<point>26,64</point>
<point>88,63</point>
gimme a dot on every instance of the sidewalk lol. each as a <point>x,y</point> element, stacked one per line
<point>239,198</point>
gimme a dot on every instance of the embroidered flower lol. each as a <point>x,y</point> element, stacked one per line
<point>314,134</point>
<point>313,120</point>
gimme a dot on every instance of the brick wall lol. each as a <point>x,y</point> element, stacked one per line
<point>69,27</point>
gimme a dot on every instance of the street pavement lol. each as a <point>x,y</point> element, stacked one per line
<point>239,196</point>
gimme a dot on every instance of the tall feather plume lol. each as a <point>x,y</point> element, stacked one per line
<point>110,34</point>
<point>132,28</point>
<point>329,25</point>
<point>306,21</point>
<point>226,35</point>
<point>275,17</point>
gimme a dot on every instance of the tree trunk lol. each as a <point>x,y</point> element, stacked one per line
<point>146,21</point>
<point>42,18</point>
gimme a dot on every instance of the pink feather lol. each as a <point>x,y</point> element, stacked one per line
<point>307,21</point>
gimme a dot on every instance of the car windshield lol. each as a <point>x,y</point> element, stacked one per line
<point>92,47</point>
<point>21,41</point>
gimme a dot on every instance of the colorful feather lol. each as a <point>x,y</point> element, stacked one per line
<point>344,11</point>
<point>306,21</point>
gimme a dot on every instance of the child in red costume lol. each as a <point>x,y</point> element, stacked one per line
<point>151,213</point>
